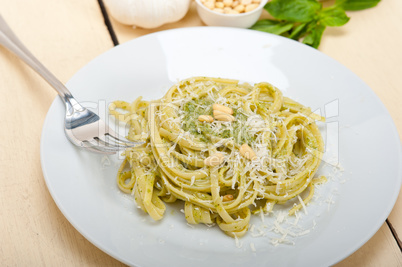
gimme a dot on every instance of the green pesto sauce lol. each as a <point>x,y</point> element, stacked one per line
<point>190,123</point>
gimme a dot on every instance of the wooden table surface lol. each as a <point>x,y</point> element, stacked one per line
<point>66,35</point>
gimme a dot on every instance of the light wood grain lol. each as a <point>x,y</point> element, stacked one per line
<point>380,251</point>
<point>370,45</point>
<point>64,35</point>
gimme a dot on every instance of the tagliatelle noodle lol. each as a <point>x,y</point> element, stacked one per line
<point>171,165</point>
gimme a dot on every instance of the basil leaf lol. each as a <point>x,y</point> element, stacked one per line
<point>314,37</point>
<point>340,2</point>
<point>294,10</point>
<point>317,38</point>
<point>333,16</point>
<point>309,39</point>
<point>354,5</point>
<point>298,31</point>
<point>272,26</point>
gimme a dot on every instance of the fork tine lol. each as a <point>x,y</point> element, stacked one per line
<point>112,145</point>
<point>96,148</point>
<point>103,146</point>
<point>124,141</point>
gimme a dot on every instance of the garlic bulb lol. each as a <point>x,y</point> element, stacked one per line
<point>147,13</point>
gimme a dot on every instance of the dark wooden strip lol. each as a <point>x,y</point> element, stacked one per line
<point>108,23</point>
<point>395,234</point>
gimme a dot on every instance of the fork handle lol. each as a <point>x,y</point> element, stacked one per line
<point>9,40</point>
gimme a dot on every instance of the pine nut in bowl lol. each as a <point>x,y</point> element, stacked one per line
<point>230,13</point>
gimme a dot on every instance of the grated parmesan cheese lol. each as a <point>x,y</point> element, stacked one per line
<point>239,244</point>
<point>302,203</point>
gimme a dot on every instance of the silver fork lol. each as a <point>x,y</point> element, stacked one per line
<point>82,127</point>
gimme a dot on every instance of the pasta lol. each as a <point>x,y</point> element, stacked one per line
<point>227,150</point>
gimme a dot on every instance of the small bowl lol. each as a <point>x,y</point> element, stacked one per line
<point>243,20</point>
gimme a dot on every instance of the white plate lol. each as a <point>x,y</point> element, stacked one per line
<point>347,211</point>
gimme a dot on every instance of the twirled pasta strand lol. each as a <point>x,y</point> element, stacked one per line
<point>171,163</point>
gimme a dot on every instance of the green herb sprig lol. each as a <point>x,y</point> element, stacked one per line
<point>306,20</point>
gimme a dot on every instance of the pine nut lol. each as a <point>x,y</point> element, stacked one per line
<point>210,4</point>
<point>247,152</point>
<point>214,160</point>
<point>224,117</point>
<point>205,118</point>
<point>227,197</point>
<point>219,5</point>
<point>222,108</point>
<point>239,8</point>
<point>227,2</point>
<point>218,112</point>
<point>251,7</point>
<point>231,6</point>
